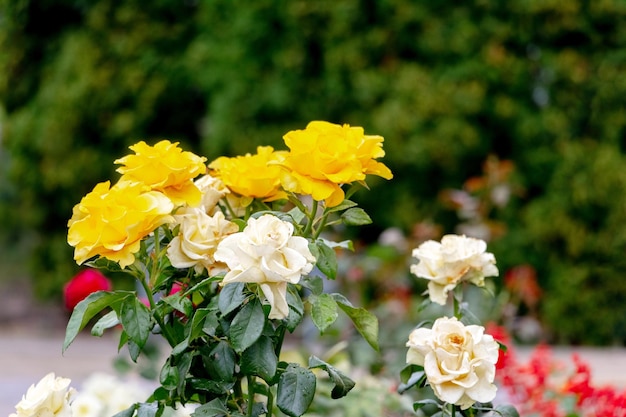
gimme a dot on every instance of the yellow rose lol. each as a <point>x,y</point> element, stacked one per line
<point>165,168</point>
<point>256,176</point>
<point>326,155</point>
<point>111,221</point>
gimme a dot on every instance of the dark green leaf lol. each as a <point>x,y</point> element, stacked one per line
<point>417,378</point>
<point>326,259</point>
<point>221,362</point>
<point>88,308</point>
<point>231,297</point>
<point>106,322</point>
<point>296,389</point>
<point>214,408</point>
<point>324,311</point>
<point>196,329</point>
<point>296,308</point>
<point>365,322</point>
<point>209,385</point>
<point>260,359</point>
<point>136,320</point>
<point>168,376</point>
<point>247,326</point>
<point>343,384</point>
<point>133,349</point>
<point>183,364</point>
<point>467,317</point>
<point>422,403</point>
<point>356,217</point>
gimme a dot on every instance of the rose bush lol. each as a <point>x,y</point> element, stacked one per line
<point>459,361</point>
<point>224,255</point>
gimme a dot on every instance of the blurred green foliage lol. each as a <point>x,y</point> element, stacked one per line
<point>537,82</point>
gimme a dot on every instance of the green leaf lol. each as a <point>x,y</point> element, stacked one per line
<point>214,408</point>
<point>196,329</point>
<point>136,320</point>
<point>467,317</point>
<point>422,403</point>
<point>355,217</point>
<point>343,384</point>
<point>231,297</point>
<point>209,385</point>
<point>179,302</point>
<point>106,322</point>
<point>297,215</point>
<point>365,322</point>
<point>416,378</point>
<point>345,204</point>
<point>315,283</point>
<point>183,365</point>
<point>149,409</point>
<point>247,326</point>
<point>260,359</point>
<point>296,389</point>
<point>296,308</point>
<point>220,362</point>
<point>506,410</point>
<point>326,259</point>
<point>88,308</point>
<point>324,311</point>
<point>168,376</point>
<point>128,412</point>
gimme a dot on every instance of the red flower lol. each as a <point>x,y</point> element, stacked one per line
<point>84,283</point>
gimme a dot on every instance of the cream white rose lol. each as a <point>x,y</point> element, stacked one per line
<point>213,190</point>
<point>455,259</point>
<point>197,240</point>
<point>267,253</point>
<point>51,396</point>
<point>459,361</point>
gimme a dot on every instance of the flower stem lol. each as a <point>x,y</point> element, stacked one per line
<point>311,218</point>
<point>250,395</point>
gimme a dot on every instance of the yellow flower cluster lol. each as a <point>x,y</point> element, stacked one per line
<point>156,180</point>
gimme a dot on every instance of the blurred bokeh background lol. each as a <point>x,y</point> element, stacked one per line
<point>502,120</point>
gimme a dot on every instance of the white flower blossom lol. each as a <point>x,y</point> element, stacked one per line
<point>50,397</point>
<point>455,259</point>
<point>267,253</point>
<point>197,240</point>
<point>459,361</point>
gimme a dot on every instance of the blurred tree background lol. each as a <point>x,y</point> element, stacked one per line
<point>539,83</point>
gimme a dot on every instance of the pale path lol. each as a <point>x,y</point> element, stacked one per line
<point>26,356</point>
